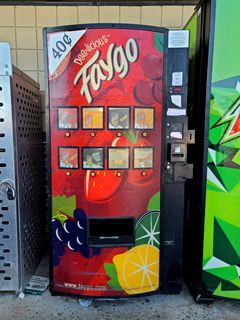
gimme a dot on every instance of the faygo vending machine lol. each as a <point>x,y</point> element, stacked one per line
<point>116,96</point>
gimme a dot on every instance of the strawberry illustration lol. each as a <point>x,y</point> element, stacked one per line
<point>103,185</point>
<point>133,139</point>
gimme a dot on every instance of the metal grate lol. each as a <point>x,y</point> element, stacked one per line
<point>22,219</point>
<point>28,112</point>
<point>8,218</point>
<point>31,182</point>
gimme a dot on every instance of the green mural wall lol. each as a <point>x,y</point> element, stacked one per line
<point>221,256</point>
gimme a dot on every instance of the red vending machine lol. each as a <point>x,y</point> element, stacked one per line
<point>116,96</point>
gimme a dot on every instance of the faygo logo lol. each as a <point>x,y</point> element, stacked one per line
<point>96,70</point>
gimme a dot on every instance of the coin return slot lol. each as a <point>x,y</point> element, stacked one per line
<point>178,155</point>
<point>111,232</point>
<point>178,152</point>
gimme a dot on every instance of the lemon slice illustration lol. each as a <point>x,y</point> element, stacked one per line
<point>138,269</point>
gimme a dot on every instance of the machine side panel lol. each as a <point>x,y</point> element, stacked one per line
<point>9,240</point>
<point>221,256</point>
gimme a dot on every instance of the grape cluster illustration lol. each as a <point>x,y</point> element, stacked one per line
<point>72,234</point>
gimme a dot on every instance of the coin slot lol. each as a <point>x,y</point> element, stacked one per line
<point>178,155</point>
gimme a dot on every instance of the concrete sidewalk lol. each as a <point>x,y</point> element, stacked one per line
<point>165,307</point>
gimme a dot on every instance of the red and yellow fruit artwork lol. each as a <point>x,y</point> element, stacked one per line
<point>138,269</point>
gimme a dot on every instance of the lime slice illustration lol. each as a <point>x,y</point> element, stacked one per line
<point>148,229</point>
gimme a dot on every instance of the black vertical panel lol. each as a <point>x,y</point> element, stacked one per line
<point>199,120</point>
<point>171,237</point>
<point>173,184</point>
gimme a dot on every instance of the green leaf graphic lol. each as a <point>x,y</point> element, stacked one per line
<point>111,271</point>
<point>131,136</point>
<point>63,206</point>
<point>159,41</point>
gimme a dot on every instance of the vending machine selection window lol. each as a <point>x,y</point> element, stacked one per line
<point>118,118</point>
<point>144,118</point>
<point>92,118</point>
<point>68,157</point>
<point>92,158</point>
<point>67,118</point>
<point>143,158</point>
<point>118,158</point>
